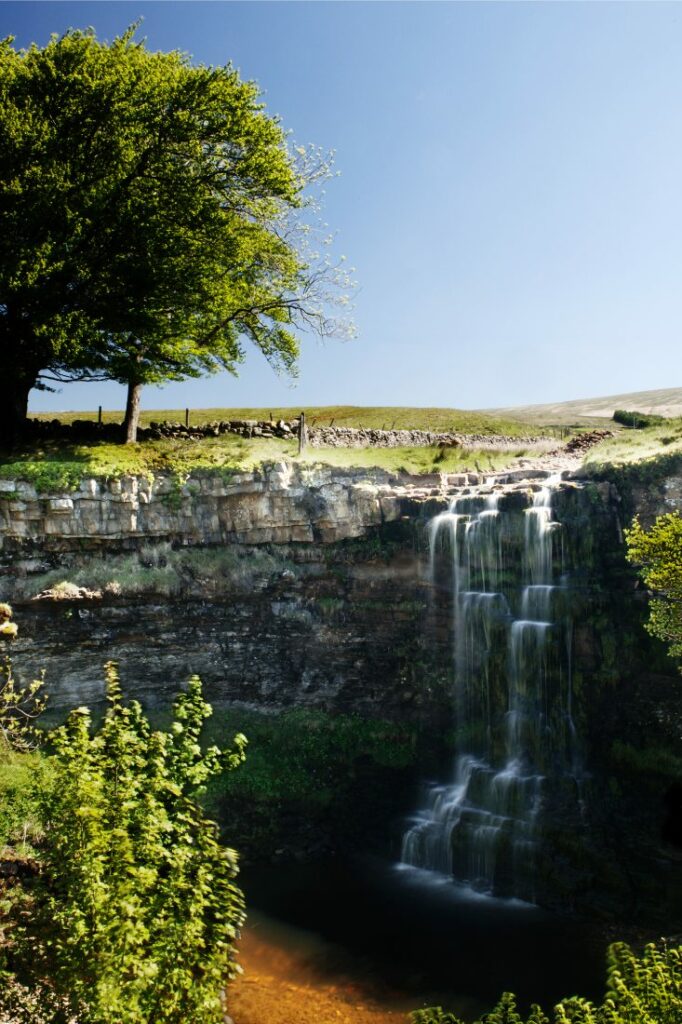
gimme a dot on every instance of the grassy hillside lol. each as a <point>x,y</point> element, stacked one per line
<point>389,417</point>
<point>592,411</point>
<point>59,466</point>
<point>638,445</point>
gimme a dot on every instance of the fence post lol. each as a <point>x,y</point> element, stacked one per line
<point>187,417</point>
<point>302,433</point>
<point>99,416</point>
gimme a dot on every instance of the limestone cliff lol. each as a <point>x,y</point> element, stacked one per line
<point>306,587</point>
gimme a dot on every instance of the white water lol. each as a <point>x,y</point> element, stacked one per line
<point>513,696</point>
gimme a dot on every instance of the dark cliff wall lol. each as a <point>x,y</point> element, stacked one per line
<point>353,627</point>
<point>342,630</point>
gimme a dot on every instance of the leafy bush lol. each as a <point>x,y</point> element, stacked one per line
<point>658,554</point>
<point>636,420</point>
<point>134,913</point>
<point>644,989</point>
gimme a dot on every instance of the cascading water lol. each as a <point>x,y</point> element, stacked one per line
<point>512,693</point>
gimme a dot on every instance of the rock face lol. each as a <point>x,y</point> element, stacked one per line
<point>340,632</point>
<point>280,503</point>
<point>297,587</point>
<point>277,504</point>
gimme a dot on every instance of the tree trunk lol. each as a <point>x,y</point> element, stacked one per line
<point>132,417</point>
<point>13,406</point>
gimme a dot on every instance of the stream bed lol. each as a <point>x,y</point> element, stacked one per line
<point>381,941</point>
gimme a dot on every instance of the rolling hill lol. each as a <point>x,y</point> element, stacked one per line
<point>664,402</point>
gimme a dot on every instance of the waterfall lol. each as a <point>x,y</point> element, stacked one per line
<point>512,665</point>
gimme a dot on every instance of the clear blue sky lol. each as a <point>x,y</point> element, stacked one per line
<point>511,190</point>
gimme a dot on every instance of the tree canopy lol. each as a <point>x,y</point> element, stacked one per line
<point>153,218</point>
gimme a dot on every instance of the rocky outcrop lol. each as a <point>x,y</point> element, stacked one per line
<point>275,504</point>
<point>279,503</point>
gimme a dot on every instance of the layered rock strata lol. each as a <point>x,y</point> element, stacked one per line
<point>280,503</point>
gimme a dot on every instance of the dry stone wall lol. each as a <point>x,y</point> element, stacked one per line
<point>329,436</point>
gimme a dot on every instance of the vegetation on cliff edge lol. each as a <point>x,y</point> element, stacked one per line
<point>657,552</point>
<point>56,467</point>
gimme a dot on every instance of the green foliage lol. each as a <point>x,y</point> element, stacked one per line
<point>19,707</point>
<point>644,989</point>
<point>638,420</point>
<point>152,218</point>
<point>303,755</point>
<point>658,554</point>
<point>648,760</point>
<point>20,826</point>
<point>434,1015</point>
<point>133,917</point>
<point>50,476</point>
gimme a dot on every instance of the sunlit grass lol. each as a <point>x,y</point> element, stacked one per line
<point>416,460</point>
<point>58,466</point>
<point>637,445</point>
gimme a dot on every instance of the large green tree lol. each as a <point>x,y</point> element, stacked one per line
<point>153,219</point>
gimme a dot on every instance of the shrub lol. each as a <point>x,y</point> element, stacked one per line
<point>637,420</point>
<point>644,989</point>
<point>133,916</point>
<point>658,554</point>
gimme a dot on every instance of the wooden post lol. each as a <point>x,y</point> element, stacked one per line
<point>187,417</point>
<point>302,434</point>
<point>99,416</point>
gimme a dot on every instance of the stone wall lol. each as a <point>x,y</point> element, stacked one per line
<point>319,436</point>
<point>359,437</point>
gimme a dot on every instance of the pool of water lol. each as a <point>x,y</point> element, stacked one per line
<point>422,939</point>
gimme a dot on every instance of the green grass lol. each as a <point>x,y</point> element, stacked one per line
<point>630,446</point>
<point>389,417</point>
<point>415,460</point>
<point>303,755</point>
<point>57,466</point>
<point>19,824</point>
